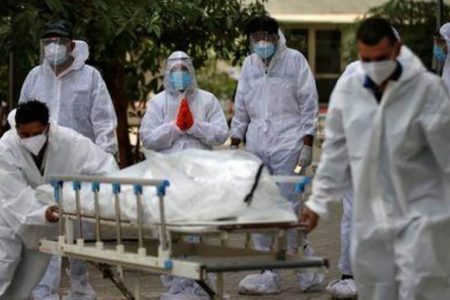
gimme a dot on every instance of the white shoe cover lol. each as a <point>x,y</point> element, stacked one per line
<point>266,283</point>
<point>80,288</point>
<point>309,280</point>
<point>342,289</point>
<point>182,288</point>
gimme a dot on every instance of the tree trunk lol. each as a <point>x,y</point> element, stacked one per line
<point>115,80</point>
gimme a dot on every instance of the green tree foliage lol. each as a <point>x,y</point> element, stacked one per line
<point>416,23</point>
<point>129,39</point>
<point>217,81</point>
<point>415,20</point>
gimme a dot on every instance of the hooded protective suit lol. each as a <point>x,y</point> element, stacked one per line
<point>159,131</point>
<point>396,154</point>
<point>275,107</point>
<point>22,221</point>
<point>77,98</point>
<point>445,32</point>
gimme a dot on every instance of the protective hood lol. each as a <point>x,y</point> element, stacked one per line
<point>178,58</point>
<point>80,53</point>
<point>445,32</point>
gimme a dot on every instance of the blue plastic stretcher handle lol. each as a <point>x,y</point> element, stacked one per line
<point>116,188</point>
<point>137,188</point>
<point>161,189</point>
<point>95,186</point>
<point>76,185</point>
<point>57,185</point>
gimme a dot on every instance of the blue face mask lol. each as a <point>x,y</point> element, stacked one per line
<point>439,53</point>
<point>180,80</point>
<point>264,49</point>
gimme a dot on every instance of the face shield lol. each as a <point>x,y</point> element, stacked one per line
<point>263,43</point>
<point>55,51</point>
<point>179,73</point>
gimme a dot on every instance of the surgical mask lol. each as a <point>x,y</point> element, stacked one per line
<point>379,71</point>
<point>55,54</point>
<point>34,144</point>
<point>180,80</point>
<point>439,53</point>
<point>264,49</point>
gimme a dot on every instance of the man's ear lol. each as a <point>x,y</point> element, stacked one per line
<point>71,46</point>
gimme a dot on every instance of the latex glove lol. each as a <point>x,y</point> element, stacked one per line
<point>185,120</point>
<point>305,158</point>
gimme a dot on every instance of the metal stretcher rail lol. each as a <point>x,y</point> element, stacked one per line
<point>169,253</point>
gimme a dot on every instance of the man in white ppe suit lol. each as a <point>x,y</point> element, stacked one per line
<point>275,109</point>
<point>387,134</point>
<point>77,98</point>
<point>31,151</point>
<point>75,92</point>
<point>440,50</point>
<point>182,117</point>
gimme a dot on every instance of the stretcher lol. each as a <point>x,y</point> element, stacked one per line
<point>164,248</point>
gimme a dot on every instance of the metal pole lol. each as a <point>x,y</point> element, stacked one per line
<point>61,211</point>
<point>116,191</point>
<point>162,217</point>
<point>138,192</point>
<point>95,189</point>
<point>77,187</point>
<point>139,220</point>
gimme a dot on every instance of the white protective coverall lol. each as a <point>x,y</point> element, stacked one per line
<point>160,133</point>
<point>346,220</point>
<point>77,98</point>
<point>22,221</point>
<point>275,107</point>
<point>396,154</point>
<point>158,129</point>
<point>445,32</point>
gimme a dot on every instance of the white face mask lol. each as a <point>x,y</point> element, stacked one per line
<point>55,54</point>
<point>34,144</point>
<point>379,71</point>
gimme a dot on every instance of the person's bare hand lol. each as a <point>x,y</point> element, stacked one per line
<point>51,214</point>
<point>309,219</point>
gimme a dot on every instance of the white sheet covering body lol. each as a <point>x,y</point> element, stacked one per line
<point>204,186</point>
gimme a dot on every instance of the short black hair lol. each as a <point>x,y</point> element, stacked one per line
<point>32,111</point>
<point>59,28</point>
<point>373,30</point>
<point>262,23</point>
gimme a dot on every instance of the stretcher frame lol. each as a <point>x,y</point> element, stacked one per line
<point>168,253</point>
